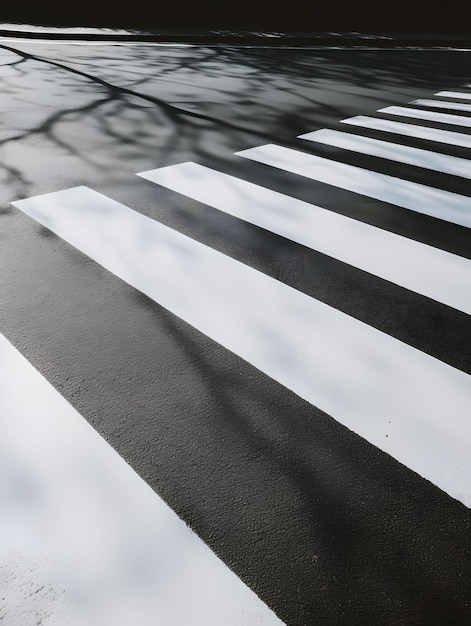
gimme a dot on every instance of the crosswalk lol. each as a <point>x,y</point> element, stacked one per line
<point>430,116</point>
<point>444,205</point>
<point>428,133</point>
<point>427,159</point>
<point>440,104</point>
<point>411,405</point>
<point>432,272</point>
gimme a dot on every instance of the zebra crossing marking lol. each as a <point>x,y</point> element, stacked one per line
<point>444,205</point>
<point>411,130</point>
<point>424,269</point>
<point>442,104</point>
<point>393,152</point>
<point>454,94</point>
<point>431,116</point>
<point>78,522</point>
<point>386,391</point>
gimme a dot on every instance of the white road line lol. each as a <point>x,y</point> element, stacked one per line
<point>405,402</point>
<point>85,542</point>
<point>444,205</point>
<point>431,116</point>
<point>441,104</point>
<point>392,151</point>
<point>426,270</point>
<point>411,130</point>
<point>454,94</point>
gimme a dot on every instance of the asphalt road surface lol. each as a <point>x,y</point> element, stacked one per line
<point>235,297</point>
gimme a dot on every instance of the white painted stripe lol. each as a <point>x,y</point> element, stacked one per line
<point>454,94</point>
<point>85,542</point>
<point>403,401</point>
<point>411,130</point>
<point>426,270</point>
<point>444,205</point>
<point>442,104</point>
<point>392,151</point>
<point>432,116</point>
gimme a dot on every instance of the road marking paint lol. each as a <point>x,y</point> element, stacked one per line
<point>444,205</point>
<point>392,151</point>
<point>407,403</point>
<point>441,104</point>
<point>432,116</point>
<point>411,130</point>
<point>454,94</point>
<point>426,270</point>
<point>79,525</point>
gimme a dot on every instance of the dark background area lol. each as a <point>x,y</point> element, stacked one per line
<point>416,17</point>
